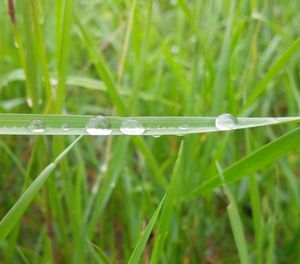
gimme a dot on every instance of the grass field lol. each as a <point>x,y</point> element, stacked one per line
<point>222,197</point>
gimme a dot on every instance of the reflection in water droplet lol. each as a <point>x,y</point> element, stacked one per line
<point>226,122</point>
<point>37,126</point>
<point>98,126</point>
<point>132,127</point>
<point>65,127</point>
<point>184,127</point>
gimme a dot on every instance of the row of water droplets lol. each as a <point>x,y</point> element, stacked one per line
<point>100,126</point>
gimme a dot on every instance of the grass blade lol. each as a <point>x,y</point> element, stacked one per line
<point>19,124</point>
<point>235,222</point>
<point>172,197</point>
<point>15,213</point>
<point>139,248</point>
<point>251,163</point>
<point>274,69</point>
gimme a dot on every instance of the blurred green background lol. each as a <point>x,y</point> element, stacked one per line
<point>151,58</point>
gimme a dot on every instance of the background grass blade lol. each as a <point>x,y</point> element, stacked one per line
<point>140,245</point>
<point>253,162</point>
<point>172,199</point>
<point>235,221</point>
<point>15,213</point>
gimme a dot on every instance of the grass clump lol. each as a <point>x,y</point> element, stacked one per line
<point>168,65</point>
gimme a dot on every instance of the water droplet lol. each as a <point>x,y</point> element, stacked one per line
<point>156,136</point>
<point>184,127</point>
<point>103,168</point>
<point>98,126</point>
<point>174,49</point>
<point>37,126</point>
<point>226,122</point>
<point>54,82</point>
<point>16,44</point>
<point>132,127</point>
<point>65,127</point>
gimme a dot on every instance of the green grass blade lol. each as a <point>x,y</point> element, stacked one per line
<point>15,213</point>
<point>65,18</point>
<point>102,68</point>
<point>172,198</point>
<point>251,163</point>
<point>273,70</point>
<point>222,70</point>
<point>19,124</point>
<point>111,177</point>
<point>235,222</point>
<point>140,246</point>
<point>255,200</point>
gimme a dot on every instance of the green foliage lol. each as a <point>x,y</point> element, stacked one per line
<point>146,199</point>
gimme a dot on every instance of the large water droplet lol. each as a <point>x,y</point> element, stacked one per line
<point>36,126</point>
<point>226,122</point>
<point>98,126</point>
<point>132,127</point>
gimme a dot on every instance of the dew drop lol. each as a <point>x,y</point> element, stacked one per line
<point>54,82</point>
<point>65,127</point>
<point>132,127</point>
<point>226,122</point>
<point>98,126</point>
<point>174,49</point>
<point>36,126</point>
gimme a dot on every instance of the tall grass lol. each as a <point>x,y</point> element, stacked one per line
<point>168,65</point>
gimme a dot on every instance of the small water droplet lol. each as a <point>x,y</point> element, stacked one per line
<point>98,126</point>
<point>65,127</point>
<point>37,126</point>
<point>184,127</point>
<point>132,127</point>
<point>226,122</point>
<point>16,44</point>
<point>54,82</point>
<point>113,185</point>
<point>103,168</point>
<point>156,136</point>
<point>174,49</point>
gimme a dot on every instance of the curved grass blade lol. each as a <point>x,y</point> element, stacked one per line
<point>15,213</point>
<point>172,197</point>
<point>140,246</point>
<point>274,69</point>
<point>19,124</point>
<point>235,221</point>
<point>253,162</point>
